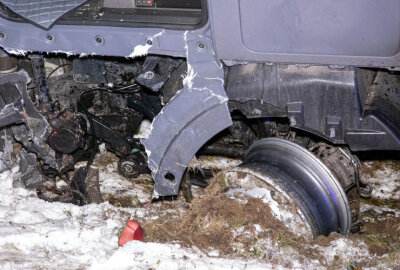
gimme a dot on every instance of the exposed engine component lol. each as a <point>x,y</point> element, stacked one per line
<point>85,100</point>
<point>155,71</point>
<point>68,133</point>
<point>66,108</point>
<point>133,165</point>
<point>233,142</point>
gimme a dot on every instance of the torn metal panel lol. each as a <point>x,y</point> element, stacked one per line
<point>34,132</point>
<point>116,41</point>
<point>42,12</point>
<point>193,116</point>
<point>6,152</point>
<point>10,115</point>
<point>29,171</point>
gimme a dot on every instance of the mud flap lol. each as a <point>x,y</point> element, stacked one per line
<point>197,113</point>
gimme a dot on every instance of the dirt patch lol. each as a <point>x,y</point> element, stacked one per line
<point>391,203</point>
<point>211,222</point>
<point>325,241</point>
<point>121,201</point>
<point>214,221</point>
<point>381,232</point>
<point>396,165</point>
<point>217,222</point>
<point>371,167</point>
<point>105,158</point>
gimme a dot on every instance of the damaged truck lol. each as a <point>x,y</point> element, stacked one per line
<point>294,88</point>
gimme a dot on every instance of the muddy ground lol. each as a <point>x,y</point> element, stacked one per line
<point>219,226</point>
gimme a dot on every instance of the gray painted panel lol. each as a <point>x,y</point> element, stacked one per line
<point>21,38</point>
<point>227,37</point>
<point>340,27</point>
<point>42,12</point>
<point>341,32</point>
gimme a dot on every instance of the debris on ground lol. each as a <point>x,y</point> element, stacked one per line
<point>132,231</point>
<point>214,231</point>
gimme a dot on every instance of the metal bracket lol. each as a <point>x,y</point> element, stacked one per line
<point>197,113</point>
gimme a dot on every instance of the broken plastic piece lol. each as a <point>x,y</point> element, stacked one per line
<point>132,231</point>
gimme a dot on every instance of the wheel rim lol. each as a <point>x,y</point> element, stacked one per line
<point>247,181</point>
<point>320,195</point>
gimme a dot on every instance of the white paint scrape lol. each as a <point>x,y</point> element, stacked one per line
<point>16,52</point>
<point>142,50</point>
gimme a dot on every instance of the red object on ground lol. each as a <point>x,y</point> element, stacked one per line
<point>132,231</point>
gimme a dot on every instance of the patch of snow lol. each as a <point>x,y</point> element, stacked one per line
<point>258,228</point>
<point>379,209</point>
<point>168,256</point>
<point>386,184</point>
<point>35,234</point>
<point>213,253</point>
<point>112,183</point>
<point>144,130</point>
<point>344,248</point>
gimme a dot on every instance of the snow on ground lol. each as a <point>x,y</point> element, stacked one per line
<point>385,182</point>
<point>35,234</point>
<point>380,210</point>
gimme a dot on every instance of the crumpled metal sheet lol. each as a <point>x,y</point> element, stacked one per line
<point>42,12</point>
<point>193,116</point>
